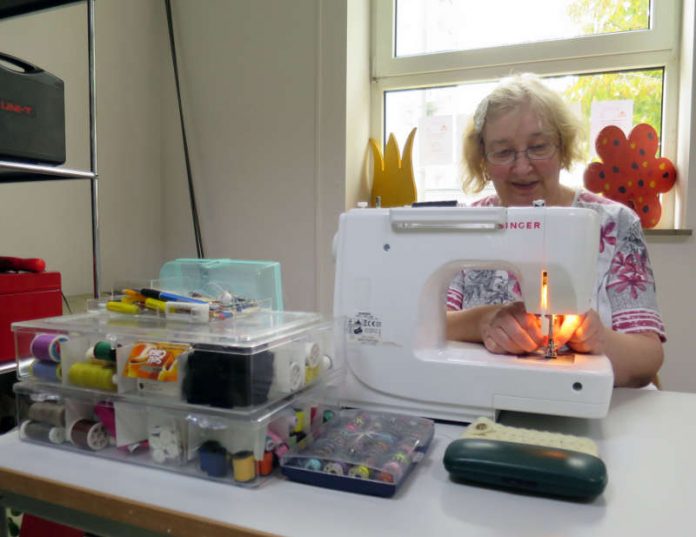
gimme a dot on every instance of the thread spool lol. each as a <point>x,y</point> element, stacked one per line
<point>391,472</point>
<point>312,354</point>
<point>50,413</point>
<point>299,420</point>
<point>326,363</point>
<point>272,440</point>
<point>42,432</point>
<point>106,414</point>
<point>244,466</point>
<point>265,465</point>
<point>313,464</point>
<point>46,347</point>
<point>213,459</point>
<point>102,350</point>
<point>88,375</point>
<point>359,471</point>
<point>88,434</point>
<point>50,371</point>
<point>401,457</point>
<point>281,449</point>
<point>336,468</point>
<point>288,369</point>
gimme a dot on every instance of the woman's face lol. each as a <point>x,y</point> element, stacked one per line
<point>523,180</point>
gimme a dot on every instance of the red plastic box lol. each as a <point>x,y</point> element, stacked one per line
<point>25,296</point>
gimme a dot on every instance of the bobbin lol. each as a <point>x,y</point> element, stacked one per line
<point>336,468</point>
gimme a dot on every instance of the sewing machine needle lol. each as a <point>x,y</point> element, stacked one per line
<point>551,347</point>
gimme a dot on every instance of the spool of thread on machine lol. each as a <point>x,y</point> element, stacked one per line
<point>42,432</point>
<point>50,413</point>
<point>46,347</point>
<point>244,466</point>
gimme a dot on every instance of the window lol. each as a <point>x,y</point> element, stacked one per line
<point>433,60</point>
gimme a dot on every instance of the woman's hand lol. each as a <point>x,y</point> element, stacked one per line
<point>582,333</point>
<point>509,329</point>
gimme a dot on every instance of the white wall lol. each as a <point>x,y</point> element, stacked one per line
<point>277,101</point>
<point>250,83</point>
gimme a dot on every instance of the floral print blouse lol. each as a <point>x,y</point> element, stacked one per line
<point>625,298</point>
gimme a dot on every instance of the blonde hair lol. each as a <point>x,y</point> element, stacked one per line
<point>508,95</point>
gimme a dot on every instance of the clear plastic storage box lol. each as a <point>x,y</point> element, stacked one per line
<point>204,442</point>
<point>362,451</point>
<point>242,364</point>
<point>256,280</point>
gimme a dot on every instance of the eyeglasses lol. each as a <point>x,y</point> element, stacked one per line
<point>533,152</point>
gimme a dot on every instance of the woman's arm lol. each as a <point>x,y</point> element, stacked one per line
<point>636,358</point>
<point>463,325</point>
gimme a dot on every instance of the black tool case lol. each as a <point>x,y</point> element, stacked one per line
<point>32,113</point>
<point>11,8</point>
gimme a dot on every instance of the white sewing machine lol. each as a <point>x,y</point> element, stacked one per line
<point>393,268</point>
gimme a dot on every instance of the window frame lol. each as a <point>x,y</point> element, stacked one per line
<point>657,47</point>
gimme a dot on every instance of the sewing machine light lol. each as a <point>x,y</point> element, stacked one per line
<point>544,291</point>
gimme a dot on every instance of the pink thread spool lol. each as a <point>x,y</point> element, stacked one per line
<point>105,412</point>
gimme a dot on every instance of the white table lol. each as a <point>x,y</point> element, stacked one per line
<point>648,443</point>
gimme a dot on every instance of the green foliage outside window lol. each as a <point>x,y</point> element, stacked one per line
<point>643,87</point>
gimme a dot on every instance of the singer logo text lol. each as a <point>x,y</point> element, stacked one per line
<point>521,225</point>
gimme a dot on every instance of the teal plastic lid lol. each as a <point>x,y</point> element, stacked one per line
<point>259,280</point>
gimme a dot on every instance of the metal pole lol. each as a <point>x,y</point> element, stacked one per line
<point>96,264</point>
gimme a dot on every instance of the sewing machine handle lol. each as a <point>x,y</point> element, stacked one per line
<point>448,218</point>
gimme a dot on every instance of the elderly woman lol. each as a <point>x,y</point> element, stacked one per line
<point>520,138</point>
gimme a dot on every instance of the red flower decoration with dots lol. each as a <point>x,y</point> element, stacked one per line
<point>629,172</point>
